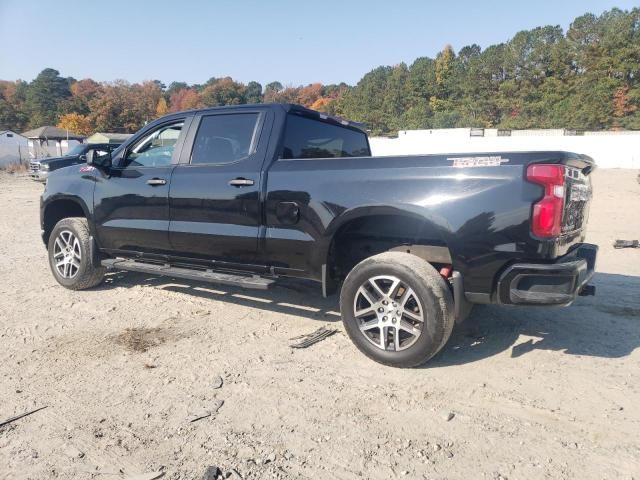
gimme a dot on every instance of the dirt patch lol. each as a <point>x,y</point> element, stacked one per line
<point>142,339</point>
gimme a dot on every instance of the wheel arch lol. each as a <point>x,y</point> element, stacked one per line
<point>58,208</point>
<point>367,231</point>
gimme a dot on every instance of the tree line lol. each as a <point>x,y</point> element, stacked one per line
<point>584,78</point>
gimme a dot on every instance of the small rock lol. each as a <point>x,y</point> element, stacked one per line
<point>269,458</point>
<point>217,383</point>
<point>404,472</point>
<point>211,473</point>
<point>288,455</point>
<point>449,416</point>
<point>436,447</point>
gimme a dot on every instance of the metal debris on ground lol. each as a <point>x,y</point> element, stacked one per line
<point>627,244</point>
<point>18,417</point>
<point>207,413</point>
<point>313,337</point>
<point>199,416</point>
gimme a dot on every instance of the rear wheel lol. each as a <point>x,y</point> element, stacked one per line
<point>69,255</point>
<point>397,309</point>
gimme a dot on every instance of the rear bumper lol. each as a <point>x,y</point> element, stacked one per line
<point>556,283</point>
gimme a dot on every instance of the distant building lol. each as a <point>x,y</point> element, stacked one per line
<point>104,137</point>
<point>14,148</point>
<point>50,141</point>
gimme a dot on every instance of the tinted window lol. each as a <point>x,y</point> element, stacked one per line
<point>156,148</point>
<point>224,138</point>
<point>77,150</point>
<point>308,138</point>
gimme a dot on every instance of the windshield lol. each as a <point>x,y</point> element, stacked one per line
<point>77,150</point>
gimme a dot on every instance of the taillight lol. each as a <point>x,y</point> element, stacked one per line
<point>546,220</point>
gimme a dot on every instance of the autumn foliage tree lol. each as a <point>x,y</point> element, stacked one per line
<point>185,99</point>
<point>76,123</point>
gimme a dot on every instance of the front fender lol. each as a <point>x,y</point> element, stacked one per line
<point>67,188</point>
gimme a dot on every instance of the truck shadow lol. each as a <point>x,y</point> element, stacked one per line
<point>607,325</point>
<point>291,297</point>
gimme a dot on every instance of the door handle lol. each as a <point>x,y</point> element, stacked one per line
<point>154,182</point>
<point>241,182</point>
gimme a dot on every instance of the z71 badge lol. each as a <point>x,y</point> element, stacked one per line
<point>488,161</point>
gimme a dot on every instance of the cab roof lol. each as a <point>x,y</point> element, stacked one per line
<point>287,107</point>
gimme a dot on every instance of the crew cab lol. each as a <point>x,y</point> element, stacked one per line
<point>39,169</point>
<point>243,195</point>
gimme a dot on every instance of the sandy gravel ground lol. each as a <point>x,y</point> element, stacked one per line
<point>528,394</point>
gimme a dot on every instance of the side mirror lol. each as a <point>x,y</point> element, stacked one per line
<point>82,158</point>
<point>99,161</point>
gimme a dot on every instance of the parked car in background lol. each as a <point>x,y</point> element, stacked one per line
<point>39,169</point>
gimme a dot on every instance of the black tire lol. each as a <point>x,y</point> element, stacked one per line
<point>435,301</point>
<point>85,275</point>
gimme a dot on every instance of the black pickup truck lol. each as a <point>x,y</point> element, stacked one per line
<point>242,195</point>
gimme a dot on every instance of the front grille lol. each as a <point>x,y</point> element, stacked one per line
<point>35,166</point>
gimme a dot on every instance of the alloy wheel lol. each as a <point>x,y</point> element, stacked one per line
<point>389,313</point>
<point>67,254</point>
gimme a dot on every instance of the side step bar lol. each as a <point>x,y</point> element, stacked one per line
<point>254,282</point>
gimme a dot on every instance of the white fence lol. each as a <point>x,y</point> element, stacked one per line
<point>608,149</point>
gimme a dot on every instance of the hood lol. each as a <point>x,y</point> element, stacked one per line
<point>68,172</point>
<point>44,161</point>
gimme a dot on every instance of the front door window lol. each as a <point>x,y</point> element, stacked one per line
<point>156,148</point>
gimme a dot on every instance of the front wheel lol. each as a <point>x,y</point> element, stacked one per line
<point>69,255</point>
<point>397,309</point>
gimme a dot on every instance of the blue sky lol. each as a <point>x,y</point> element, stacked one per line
<point>294,42</point>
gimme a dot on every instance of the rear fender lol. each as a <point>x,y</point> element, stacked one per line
<point>390,228</point>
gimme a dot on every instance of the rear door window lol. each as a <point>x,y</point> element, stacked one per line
<point>224,138</point>
<point>309,138</point>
